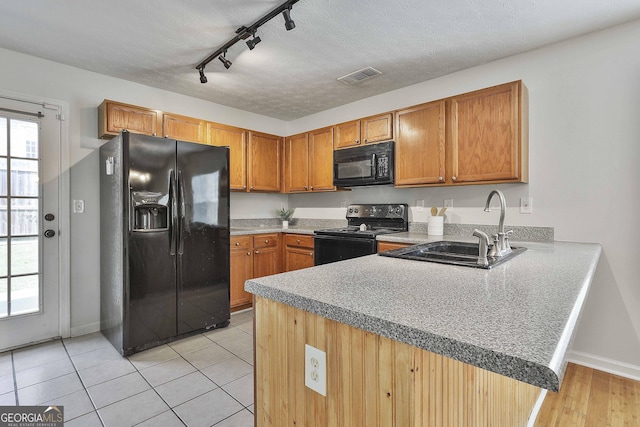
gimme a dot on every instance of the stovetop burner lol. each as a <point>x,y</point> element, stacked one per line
<point>369,221</point>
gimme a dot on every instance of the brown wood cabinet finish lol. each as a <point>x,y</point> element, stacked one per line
<point>321,160</point>
<point>183,128</point>
<point>347,134</point>
<point>298,251</point>
<point>486,135</point>
<point>372,381</point>
<point>377,128</point>
<point>114,117</point>
<point>252,256</point>
<point>297,163</point>
<point>265,162</point>
<point>420,145</point>
<point>236,139</point>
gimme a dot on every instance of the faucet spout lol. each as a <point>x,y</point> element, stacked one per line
<point>502,246</point>
<point>483,247</point>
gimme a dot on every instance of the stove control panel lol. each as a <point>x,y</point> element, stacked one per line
<point>382,211</point>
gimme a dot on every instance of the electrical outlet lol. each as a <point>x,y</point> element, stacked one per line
<point>78,206</point>
<point>315,369</point>
<point>420,205</point>
<point>448,203</point>
<point>526,205</point>
<point>283,206</point>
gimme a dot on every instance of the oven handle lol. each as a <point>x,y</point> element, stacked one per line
<point>343,239</point>
<point>374,166</point>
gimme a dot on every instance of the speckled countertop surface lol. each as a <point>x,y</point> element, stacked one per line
<point>240,231</point>
<point>517,319</point>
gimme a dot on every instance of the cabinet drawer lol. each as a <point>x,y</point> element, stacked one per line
<point>300,240</point>
<point>241,242</point>
<point>265,240</point>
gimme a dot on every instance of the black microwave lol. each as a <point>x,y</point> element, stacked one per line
<point>366,165</point>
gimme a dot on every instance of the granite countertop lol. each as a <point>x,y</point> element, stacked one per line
<point>517,319</point>
<point>240,231</point>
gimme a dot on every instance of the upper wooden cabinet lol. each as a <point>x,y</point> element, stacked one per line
<point>420,145</point>
<point>183,128</point>
<point>264,162</point>
<point>368,130</point>
<point>309,162</point>
<point>488,135</point>
<point>236,140</point>
<point>296,155</point>
<point>114,117</point>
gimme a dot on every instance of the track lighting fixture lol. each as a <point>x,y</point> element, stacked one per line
<point>243,33</point>
<point>224,60</point>
<point>203,78</point>
<point>253,42</point>
<point>288,22</point>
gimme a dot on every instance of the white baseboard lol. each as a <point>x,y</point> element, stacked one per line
<point>85,329</point>
<point>606,365</point>
<point>536,408</point>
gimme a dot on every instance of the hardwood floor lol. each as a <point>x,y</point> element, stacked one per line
<point>592,398</point>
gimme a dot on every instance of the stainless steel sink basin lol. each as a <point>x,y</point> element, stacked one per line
<point>456,253</point>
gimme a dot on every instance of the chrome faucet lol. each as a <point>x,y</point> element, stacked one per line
<point>501,245</point>
<point>483,248</point>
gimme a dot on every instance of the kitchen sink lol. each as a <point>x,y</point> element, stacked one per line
<point>455,253</point>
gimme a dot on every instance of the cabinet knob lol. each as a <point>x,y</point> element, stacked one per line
<point>305,187</point>
<point>155,134</point>
<point>357,141</point>
<point>251,187</point>
<point>312,187</point>
<point>297,240</point>
<point>440,179</point>
<point>310,253</point>
<point>453,178</point>
<point>166,136</point>
<point>256,252</point>
<point>249,253</point>
<point>365,140</point>
<point>266,241</point>
<point>237,243</point>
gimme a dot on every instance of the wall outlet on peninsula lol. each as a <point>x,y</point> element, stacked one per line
<point>315,369</point>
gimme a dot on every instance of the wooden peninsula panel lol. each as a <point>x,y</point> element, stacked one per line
<point>371,380</point>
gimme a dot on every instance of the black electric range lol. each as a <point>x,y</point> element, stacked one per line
<point>364,223</point>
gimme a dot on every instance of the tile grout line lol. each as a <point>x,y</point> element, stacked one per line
<point>15,380</point>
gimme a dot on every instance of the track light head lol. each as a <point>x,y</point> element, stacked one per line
<point>224,60</point>
<point>253,42</point>
<point>288,22</point>
<point>203,78</point>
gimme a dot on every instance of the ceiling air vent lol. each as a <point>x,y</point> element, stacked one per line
<point>359,76</point>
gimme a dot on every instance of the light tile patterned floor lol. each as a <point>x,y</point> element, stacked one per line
<point>204,380</point>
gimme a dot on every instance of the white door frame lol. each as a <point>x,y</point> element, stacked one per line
<point>61,109</point>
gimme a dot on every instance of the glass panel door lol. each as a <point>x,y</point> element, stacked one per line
<point>20,272</point>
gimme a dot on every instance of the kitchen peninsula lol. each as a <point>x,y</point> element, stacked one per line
<point>418,343</point>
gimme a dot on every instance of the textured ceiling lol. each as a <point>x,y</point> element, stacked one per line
<point>292,74</point>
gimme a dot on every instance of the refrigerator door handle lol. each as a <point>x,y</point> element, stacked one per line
<point>174,212</point>
<point>181,213</point>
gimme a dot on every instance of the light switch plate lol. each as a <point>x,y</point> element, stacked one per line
<point>78,206</point>
<point>526,205</point>
<point>315,369</point>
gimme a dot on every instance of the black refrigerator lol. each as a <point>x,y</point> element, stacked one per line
<point>164,239</point>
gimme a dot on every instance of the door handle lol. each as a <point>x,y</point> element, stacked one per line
<point>181,216</point>
<point>49,217</point>
<point>49,233</point>
<point>174,212</point>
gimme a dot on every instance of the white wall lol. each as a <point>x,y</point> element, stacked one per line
<point>584,119</point>
<point>84,91</point>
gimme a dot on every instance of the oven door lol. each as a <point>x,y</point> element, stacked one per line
<point>332,248</point>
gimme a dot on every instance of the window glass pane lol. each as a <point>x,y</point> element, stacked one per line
<point>24,178</point>
<point>24,217</point>
<point>25,295</point>
<point>3,176</point>
<point>3,136</point>
<point>4,259</point>
<point>3,217</point>
<point>24,139</point>
<point>3,298</point>
<point>24,255</point>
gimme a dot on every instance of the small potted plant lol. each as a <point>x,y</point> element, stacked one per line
<point>285,215</point>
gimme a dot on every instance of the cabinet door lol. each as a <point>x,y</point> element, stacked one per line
<point>486,135</point>
<point>267,258</point>
<point>297,164</point>
<point>113,117</point>
<point>265,162</point>
<point>387,246</point>
<point>377,128</point>
<point>321,160</point>
<point>183,128</point>
<point>296,258</point>
<point>241,270</point>
<point>420,145</point>
<point>236,140</point>
<point>347,134</point>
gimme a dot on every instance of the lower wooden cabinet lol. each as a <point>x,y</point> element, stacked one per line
<point>298,251</point>
<point>252,256</point>
<point>387,246</point>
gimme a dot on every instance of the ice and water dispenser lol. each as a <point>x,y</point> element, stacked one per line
<point>149,213</point>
